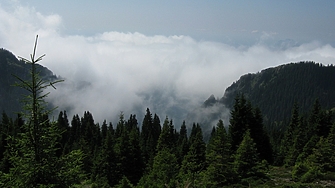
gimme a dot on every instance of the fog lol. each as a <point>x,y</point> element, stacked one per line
<point>110,72</point>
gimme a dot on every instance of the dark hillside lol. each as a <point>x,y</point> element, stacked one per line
<point>274,90</point>
<point>10,95</point>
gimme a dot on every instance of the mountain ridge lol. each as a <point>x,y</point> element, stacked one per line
<point>274,90</point>
<point>10,95</point>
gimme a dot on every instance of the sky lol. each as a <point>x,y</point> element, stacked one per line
<point>169,56</point>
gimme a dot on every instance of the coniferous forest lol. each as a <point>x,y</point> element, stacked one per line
<point>37,151</point>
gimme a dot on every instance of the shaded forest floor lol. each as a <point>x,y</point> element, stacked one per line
<point>281,177</point>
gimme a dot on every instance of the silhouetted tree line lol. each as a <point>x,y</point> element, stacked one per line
<point>156,154</point>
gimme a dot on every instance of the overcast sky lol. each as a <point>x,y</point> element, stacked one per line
<point>121,55</point>
<point>237,22</point>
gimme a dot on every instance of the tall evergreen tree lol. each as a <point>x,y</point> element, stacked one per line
<point>164,171</point>
<point>287,150</point>
<point>105,172</point>
<point>64,127</point>
<point>245,117</point>
<point>166,138</point>
<point>247,163</point>
<point>323,157</point>
<point>151,129</point>
<point>310,136</point>
<point>260,136</point>
<point>75,132</point>
<point>182,143</point>
<point>104,130</point>
<point>135,160</point>
<point>195,160</point>
<point>7,129</point>
<point>33,151</point>
<point>241,117</point>
<point>218,157</point>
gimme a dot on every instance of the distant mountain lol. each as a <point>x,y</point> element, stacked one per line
<point>274,90</point>
<point>10,96</point>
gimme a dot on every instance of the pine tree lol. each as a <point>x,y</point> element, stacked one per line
<point>218,157</point>
<point>195,160</point>
<point>164,171</point>
<point>147,141</point>
<point>135,160</point>
<point>182,143</point>
<point>245,117</point>
<point>104,129</point>
<point>261,137</point>
<point>166,139</point>
<point>323,154</point>
<point>287,150</point>
<point>311,136</point>
<point>105,171</point>
<point>64,127</point>
<point>151,130</point>
<point>75,132</point>
<point>7,129</point>
<point>88,140</point>
<point>247,163</point>
<point>121,146</point>
<point>33,151</point>
<point>241,117</point>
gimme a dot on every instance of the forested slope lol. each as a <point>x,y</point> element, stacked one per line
<point>9,95</point>
<point>274,90</point>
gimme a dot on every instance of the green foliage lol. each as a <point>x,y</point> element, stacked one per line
<point>10,66</point>
<point>288,151</point>
<point>240,120</point>
<point>166,139</point>
<point>299,170</point>
<point>165,169</point>
<point>247,163</point>
<point>104,171</point>
<point>182,143</point>
<point>274,90</point>
<point>124,183</point>
<point>311,175</point>
<point>219,172</point>
<point>32,152</point>
<point>244,117</point>
<point>151,130</point>
<point>195,160</point>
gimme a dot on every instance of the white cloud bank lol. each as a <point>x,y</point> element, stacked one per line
<point>112,71</point>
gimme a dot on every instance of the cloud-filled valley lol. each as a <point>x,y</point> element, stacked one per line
<point>114,71</point>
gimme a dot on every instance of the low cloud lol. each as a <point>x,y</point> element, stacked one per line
<point>113,71</point>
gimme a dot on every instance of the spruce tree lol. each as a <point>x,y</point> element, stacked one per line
<point>218,157</point>
<point>182,143</point>
<point>147,141</point>
<point>287,150</point>
<point>240,120</point>
<point>64,127</point>
<point>33,151</point>
<point>164,171</point>
<point>166,138</point>
<point>105,172</point>
<point>247,163</point>
<point>195,160</point>
<point>135,160</point>
<point>7,129</point>
<point>323,154</point>
<point>260,136</point>
<point>245,117</point>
